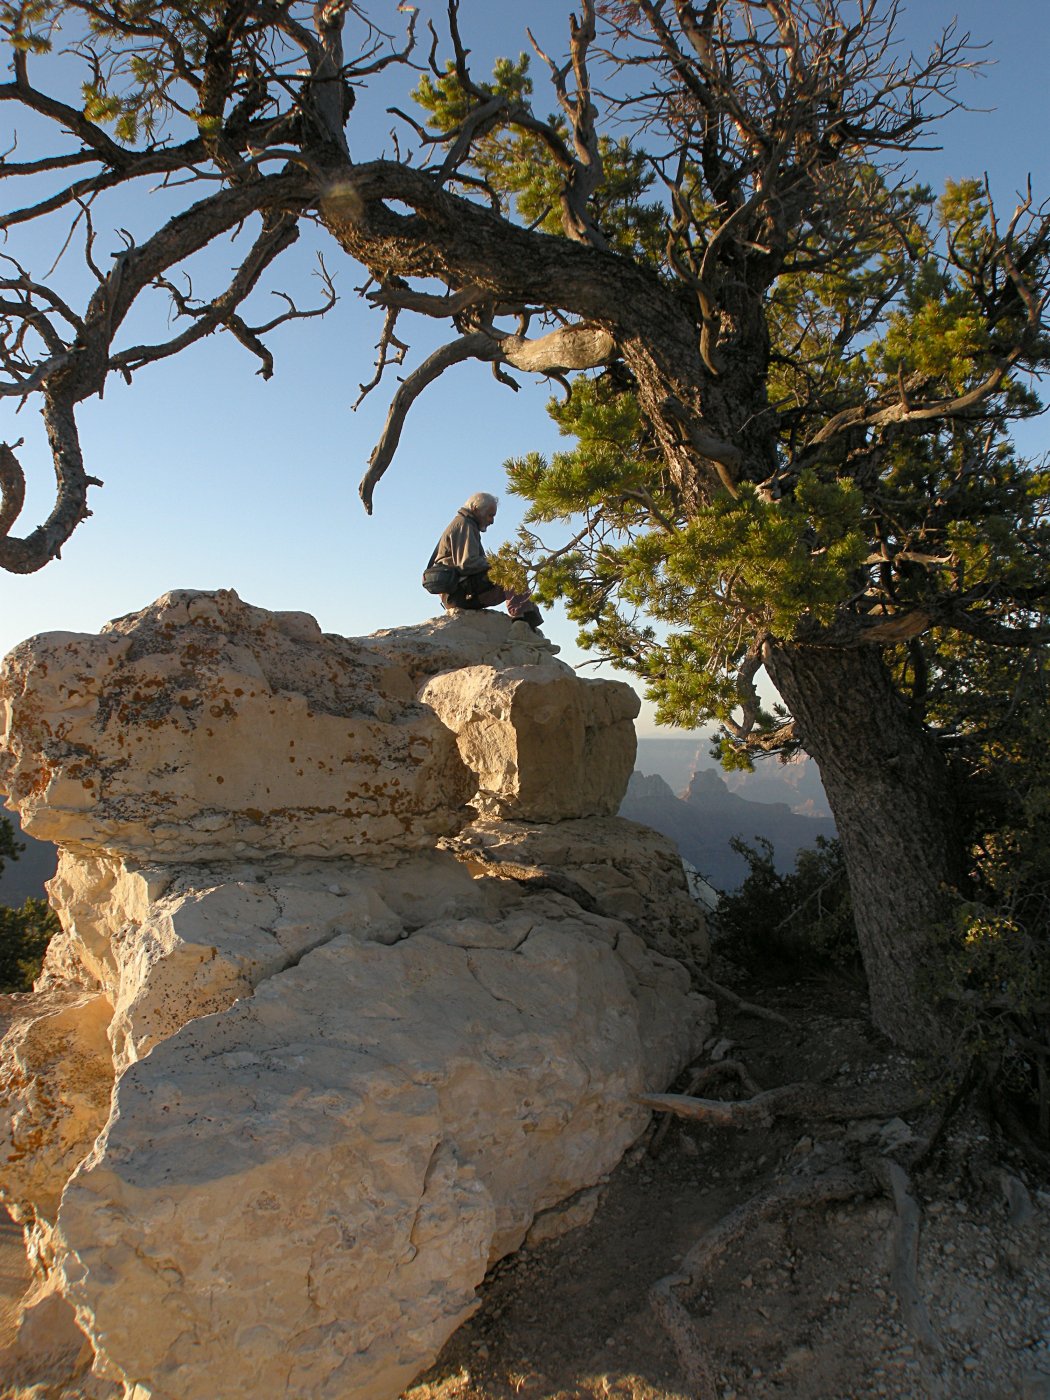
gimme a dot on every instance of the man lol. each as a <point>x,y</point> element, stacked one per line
<point>460,548</point>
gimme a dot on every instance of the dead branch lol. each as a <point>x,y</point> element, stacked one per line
<point>277,235</point>
<point>707,1074</point>
<point>584,169</point>
<point>747,1008</point>
<point>476,346</point>
<point>572,347</point>
<point>426,303</point>
<point>801,1100</point>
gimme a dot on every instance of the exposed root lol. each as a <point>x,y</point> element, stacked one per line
<point>787,1195</point>
<point>1015,1128</point>
<point>706,1074</point>
<point>802,1100</point>
<point>783,1197</point>
<point>904,1268</point>
<point>746,1008</point>
<point>1018,1201</point>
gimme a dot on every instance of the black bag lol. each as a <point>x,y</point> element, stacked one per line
<point>440,578</point>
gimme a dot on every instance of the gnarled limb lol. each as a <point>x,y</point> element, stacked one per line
<point>573,347</point>
<point>12,487</point>
<point>26,555</point>
<point>585,170</point>
<point>76,349</point>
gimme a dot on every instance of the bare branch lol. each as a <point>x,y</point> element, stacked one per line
<point>221,310</point>
<point>26,556</point>
<point>574,347</point>
<point>475,346</point>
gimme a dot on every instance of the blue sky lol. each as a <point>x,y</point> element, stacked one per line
<point>217,479</point>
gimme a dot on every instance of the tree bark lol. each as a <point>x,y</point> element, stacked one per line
<point>891,796</point>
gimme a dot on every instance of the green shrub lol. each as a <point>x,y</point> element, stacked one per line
<point>24,936</point>
<point>24,933</point>
<point>802,919</point>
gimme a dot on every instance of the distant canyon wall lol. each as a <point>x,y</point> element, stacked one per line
<point>708,813</point>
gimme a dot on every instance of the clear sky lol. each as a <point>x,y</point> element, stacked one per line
<point>217,479</point>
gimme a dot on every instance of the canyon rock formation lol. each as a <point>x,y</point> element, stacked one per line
<point>358,982</point>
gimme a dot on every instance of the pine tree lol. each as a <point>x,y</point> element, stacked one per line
<point>792,376</point>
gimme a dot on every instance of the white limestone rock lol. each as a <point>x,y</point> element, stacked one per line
<point>609,865</point>
<point>56,1074</point>
<point>309,1185</point>
<point>293,1078</point>
<point>544,745</point>
<point>144,951</point>
<point>203,728</point>
<point>458,639</point>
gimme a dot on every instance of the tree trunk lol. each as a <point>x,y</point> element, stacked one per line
<point>891,796</point>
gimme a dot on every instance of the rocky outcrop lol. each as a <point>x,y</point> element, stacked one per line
<point>202,727</point>
<point>545,746</point>
<point>295,1074</point>
<point>610,866</point>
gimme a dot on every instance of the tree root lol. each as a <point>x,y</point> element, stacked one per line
<point>1018,1202</point>
<point>746,1008</point>
<point>904,1267</point>
<point>707,1074</point>
<point>783,1197</point>
<point>788,1195</point>
<point>801,1100</point>
<point>1016,1130</point>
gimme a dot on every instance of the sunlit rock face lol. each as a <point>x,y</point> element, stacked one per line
<point>202,727</point>
<point>297,1073</point>
<point>545,746</point>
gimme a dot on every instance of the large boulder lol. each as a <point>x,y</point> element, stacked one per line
<point>544,745</point>
<point>295,1074</point>
<point>300,1194</point>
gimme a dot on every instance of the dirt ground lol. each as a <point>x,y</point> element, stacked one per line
<point>801,1306</point>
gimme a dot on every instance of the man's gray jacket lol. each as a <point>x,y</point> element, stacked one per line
<point>460,545</point>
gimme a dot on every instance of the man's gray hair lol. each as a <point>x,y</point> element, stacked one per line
<point>481,500</point>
